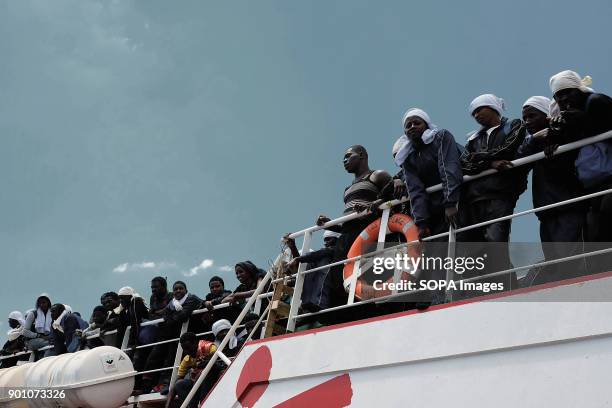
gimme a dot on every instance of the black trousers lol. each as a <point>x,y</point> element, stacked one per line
<point>494,237</point>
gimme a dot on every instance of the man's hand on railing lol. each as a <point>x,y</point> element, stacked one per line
<point>500,165</point>
<point>399,189</point>
<point>451,215</point>
<point>424,233</point>
<point>549,150</point>
<point>322,219</point>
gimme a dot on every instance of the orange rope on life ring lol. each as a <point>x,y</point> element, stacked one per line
<point>399,223</point>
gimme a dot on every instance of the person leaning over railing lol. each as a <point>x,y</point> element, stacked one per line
<point>554,179</point>
<point>214,298</point>
<point>16,340</point>
<point>177,312</point>
<point>98,317</point>
<point>38,322</point>
<point>64,329</point>
<point>249,275</point>
<point>429,157</point>
<point>584,113</point>
<point>492,146</point>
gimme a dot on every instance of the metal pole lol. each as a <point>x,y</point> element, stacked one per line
<point>177,361</point>
<point>228,336</point>
<point>296,299</point>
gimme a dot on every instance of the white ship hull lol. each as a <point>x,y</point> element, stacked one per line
<point>521,349</point>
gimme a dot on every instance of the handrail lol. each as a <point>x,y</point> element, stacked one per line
<point>517,162</point>
<point>264,282</point>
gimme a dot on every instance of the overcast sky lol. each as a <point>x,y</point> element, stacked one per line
<point>178,138</point>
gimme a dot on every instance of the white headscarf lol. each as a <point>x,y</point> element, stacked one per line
<point>14,334</point>
<point>328,234</point>
<point>220,325</point>
<point>490,101</point>
<point>126,291</point>
<point>17,315</point>
<point>418,113</point>
<point>570,80</point>
<point>541,103</point>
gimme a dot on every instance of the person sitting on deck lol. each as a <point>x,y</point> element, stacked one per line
<point>177,312</point>
<point>16,340</point>
<point>160,297</point>
<point>38,321</point>
<point>554,180</point>
<point>249,277</point>
<point>493,196</point>
<point>97,320</point>
<point>214,298</point>
<point>364,194</point>
<point>64,329</point>
<point>197,354</point>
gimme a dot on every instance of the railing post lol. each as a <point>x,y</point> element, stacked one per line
<point>452,243</point>
<point>126,338</point>
<point>177,361</point>
<point>353,285</point>
<point>296,300</point>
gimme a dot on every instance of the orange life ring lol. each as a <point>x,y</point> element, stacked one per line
<point>399,223</point>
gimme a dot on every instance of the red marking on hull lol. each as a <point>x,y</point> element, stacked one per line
<point>253,380</point>
<point>334,393</point>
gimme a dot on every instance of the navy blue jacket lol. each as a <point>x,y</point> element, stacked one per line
<point>428,165</point>
<point>481,151</point>
<point>553,179</point>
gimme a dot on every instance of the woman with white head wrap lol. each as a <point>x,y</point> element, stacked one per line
<point>220,328</point>
<point>428,156</point>
<point>553,180</point>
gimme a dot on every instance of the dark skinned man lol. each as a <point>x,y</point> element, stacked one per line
<point>494,196</point>
<point>554,179</point>
<point>584,113</point>
<point>364,194</point>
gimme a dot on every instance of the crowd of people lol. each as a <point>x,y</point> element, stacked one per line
<point>53,329</point>
<point>426,155</point>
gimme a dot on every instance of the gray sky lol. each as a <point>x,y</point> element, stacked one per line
<point>145,137</point>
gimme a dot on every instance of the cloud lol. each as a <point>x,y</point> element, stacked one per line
<point>225,268</point>
<point>204,265</point>
<point>139,266</point>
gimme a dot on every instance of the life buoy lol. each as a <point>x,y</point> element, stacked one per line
<point>399,223</point>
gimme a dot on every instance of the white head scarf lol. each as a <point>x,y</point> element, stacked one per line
<point>42,324</point>
<point>541,103</point>
<point>418,113</point>
<point>126,291</point>
<point>488,100</point>
<point>332,234</point>
<point>220,325</point>
<point>570,80</point>
<point>17,315</point>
